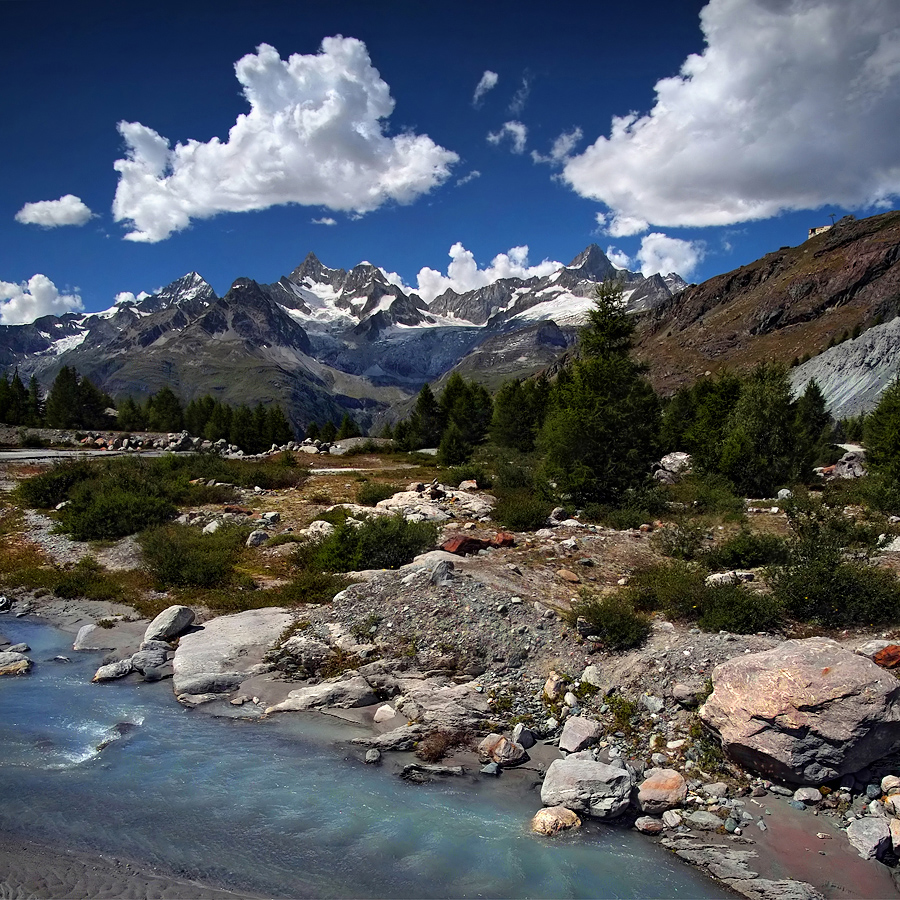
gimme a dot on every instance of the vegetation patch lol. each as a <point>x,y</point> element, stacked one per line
<point>183,556</point>
<point>370,493</point>
<point>520,509</point>
<point>613,618</point>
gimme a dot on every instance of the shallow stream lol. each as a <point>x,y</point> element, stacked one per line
<point>279,808</point>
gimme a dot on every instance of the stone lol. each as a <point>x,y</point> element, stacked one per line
<point>652,704</point>
<point>468,485</point>
<point>402,738</point>
<point>85,638</point>
<point>503,539</point>
<point>871,838</point>
<point>648,825</point>
<point>18,648</point>
<point>579,732</point>
<point>169,624</point>
<point>717,789</point>
<point>809,795</point>
<point>888,657</point>
<point>568,575</point>
<point>890,784</point>
<point>767,889</point>
<point>257,538</point>
<point>662,790</point>
<point>225,650</point>
<point>554,686</point>
<point>870,648</point>
<point>703,820</point>
<point>12,663</point>
<point>114,670</point>
<point>589,787</point>
<point>442,573</point>
<point>384,713</point>
<point>806,711</point>
<point>502,750</point>
<point>212,527</point>
<point>491,769</point>
<point>148,659</point>
<point>672,819</point>
<point>894,826</point>
<point>570,700</point>
<point>464,545</point>
<point>524,736</point>
<point>348,691</point>
<point>554,819</point>
<point>156,645</point>
<point>373,757</point>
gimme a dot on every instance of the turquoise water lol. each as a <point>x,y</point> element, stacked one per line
<point>279,807</point>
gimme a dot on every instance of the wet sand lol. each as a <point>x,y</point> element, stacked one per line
<point>29,869</point>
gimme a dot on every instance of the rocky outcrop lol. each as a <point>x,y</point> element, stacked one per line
<point>588,787</point>
<point>806,711</point>
<point>226,650</point>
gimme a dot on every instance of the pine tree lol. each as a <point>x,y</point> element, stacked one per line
<point>454,448</point>
<point>882,435</point>
<point>279,429</point>
<point>218,426</point>
<point>262,439</point>
<point>600,433</point>
<point>130,416</point>
<point>426,423</point>
<point>812,425</point>
<point>312,431</point>
<point>348,429</point>
<point>63,404</point>
<point>197,413</point>
<point>35,406</point>
<point>164,412</point>
<point>242,432</point>
<point>327,432</point>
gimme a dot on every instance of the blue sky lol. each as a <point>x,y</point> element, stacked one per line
<point>678,136</point>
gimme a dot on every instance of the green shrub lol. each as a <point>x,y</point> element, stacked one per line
<point>624,712</point>
<point>521,510</point>
<point>681,539</point>
<point>848,594</point>
<point>369,493</point>
<point>676,589</point>
<point>731,607</point>
<point>383,542</point>
<point>50,488</point>
<point>366,448</point>
<point>87,579</point>
<point>106,511</point>
<point>708,494</point>
<point>635,507</point>
<point>183,556</point>
<point>747,549</point>
<point>613,619</point>
<point>468,472</point>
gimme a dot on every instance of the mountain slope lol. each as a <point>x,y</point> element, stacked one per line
<point>789,303</point>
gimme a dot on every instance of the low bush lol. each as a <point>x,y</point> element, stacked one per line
<point>382,542</point>
<point>369,493</point>
<point>731,607</point>
<point>437,744</point>
<point>87,579</point>
<point>468,472</point>
<point>52,487</point>
<point>708,494</point>
<point>520,509</point>
<point>107,510</point>
<point>614,620</point>
<point>747,549</point>
<point>681,539</point>
<point>183,556</point>
<point>842,595</point>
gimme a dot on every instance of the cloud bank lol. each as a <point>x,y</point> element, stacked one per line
<point>314,136</point>
<point>22,303</point>
<point>68,210</point>
<point>488,82</point>
<point>464,275</point>
<point>793,104</point>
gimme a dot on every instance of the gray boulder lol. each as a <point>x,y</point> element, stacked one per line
<point>345,692</point>
<point>257,538</point>
<point>585,786</point>
<point>870,836</point>
<point>703,820</point>
<point>14,663</point>
<point>578,733</point>
<point>114,670</point>
<point>169,624</point>
<point>148,659</point>
<point>806,711</point>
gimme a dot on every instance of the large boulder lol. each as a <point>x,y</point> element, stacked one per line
<point>553,819</point>
<point>12,663</point>
<point>661,790</point>
<point>169,624</point>
<point>588,787</point>
<point>578,733</point>
<point>226,650</point>
<point>806,711</point>
<point>344,692</point>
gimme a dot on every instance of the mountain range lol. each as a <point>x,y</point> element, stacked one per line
<point>322,341</point>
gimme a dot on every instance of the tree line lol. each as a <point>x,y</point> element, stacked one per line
<point>72,402</point>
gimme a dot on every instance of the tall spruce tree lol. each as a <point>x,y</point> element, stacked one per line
<point>601,430</point>
<point>882,435</point>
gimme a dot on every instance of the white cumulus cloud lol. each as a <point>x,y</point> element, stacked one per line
<point>467,178</point>
<point>561,150</point>
<point>464,275</point>
<point>793,104</point>
<point>128,297</point>
<point>39,296</point>
<point>520,98</point>
<point>315,135</point>
<point>664,254</point>
<point>618,258</point>
<point>488,82</point>
<point>325,220</point>
<point>515,131</point>
<point>68,210</point>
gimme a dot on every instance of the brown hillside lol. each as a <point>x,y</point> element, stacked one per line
<point>787,304</point>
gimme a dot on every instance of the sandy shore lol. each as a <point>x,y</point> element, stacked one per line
<point>29,869</point>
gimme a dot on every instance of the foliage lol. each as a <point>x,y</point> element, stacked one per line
<point>183,556</point>
<point>882,435</point>
<point>680,539</point>
<point>75,402</point>
<point>600,432</point>
<point>613,618</point>
<point>624,712</point>
<point>105,510</point>
<point>89,580</point>
<point>519,410</point>
<point>19,406</point>
<point>468,472</point>
<point>50,488</point>
<point>813,428</point>
<point>369,493</point>
<point>747,549</point>
<point>521,509</point>
<point>453,449</point>
<point>382,542</point>
<point>348,429</point>
<point>634,507</point>
<point>731,607</point>
<point>707,494</point>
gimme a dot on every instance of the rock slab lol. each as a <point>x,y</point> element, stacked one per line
<point>169,624</point>
<point>588,787</point>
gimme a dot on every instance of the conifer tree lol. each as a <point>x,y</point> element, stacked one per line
<point>327,432</point>
<point>164,412</point>
<point>35,406</point>
<point>348,428</point>
<point>62,410</point>
<point>881,431</point>
<point>130,416</point>
<point>279,428</point>
<point>312,431</point>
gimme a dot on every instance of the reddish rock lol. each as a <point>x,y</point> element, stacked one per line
<point>889,657</point>
<point>662,790</point>
<point>237,510</point>
<point>569,576</point>
<point>503,539</point>
<point>464,545</point>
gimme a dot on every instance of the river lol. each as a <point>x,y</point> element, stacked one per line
<point>280,808</point>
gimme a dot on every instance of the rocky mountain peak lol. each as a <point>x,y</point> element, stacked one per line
<point>593,263</point>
